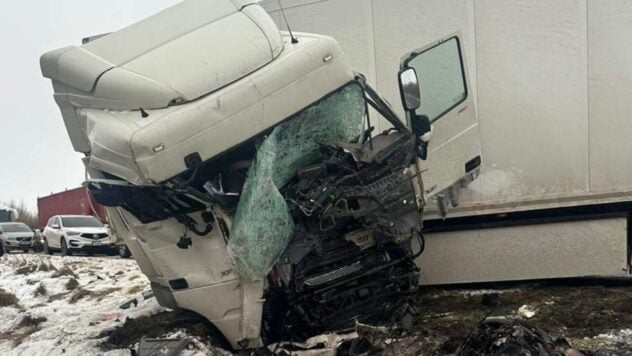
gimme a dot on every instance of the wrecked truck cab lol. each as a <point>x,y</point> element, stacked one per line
<point>241,168</point>
<point>302,229</point>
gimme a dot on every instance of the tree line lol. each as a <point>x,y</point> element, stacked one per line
<point>24,214</point>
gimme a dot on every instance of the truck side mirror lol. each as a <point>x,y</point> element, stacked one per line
<point>409,88</point>
<point>55,226</point>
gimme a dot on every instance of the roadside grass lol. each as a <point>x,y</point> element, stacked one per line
<point>8,299</point>
<point>19,337</point>
<point>25,267</point>
<point>29,321</point>
<point>64,271</point>
<point>81,293</point>
<point>58,296</point>
<point>135,289</point>
<point>28,269</point>
<point>27,327</point>
<point>46,266</point>
<point>72,284</point>
<point>40,290</point>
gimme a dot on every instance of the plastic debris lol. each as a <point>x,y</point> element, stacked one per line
<point>526,312</point>
<point>321,345</point>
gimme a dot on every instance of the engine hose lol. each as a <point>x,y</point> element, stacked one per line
<point>208,229</point>
<point>422,244</point>
<point>190,224</point>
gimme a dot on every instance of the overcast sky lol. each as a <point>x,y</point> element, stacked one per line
<point>36,157</point>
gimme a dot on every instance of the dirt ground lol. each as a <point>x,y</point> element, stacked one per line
<point>595,316</point>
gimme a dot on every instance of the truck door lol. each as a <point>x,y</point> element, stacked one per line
<point>434,88</point>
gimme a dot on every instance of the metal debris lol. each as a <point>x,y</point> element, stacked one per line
<point>501,336</point>
<point>129,303</point>
<point>161,347</point>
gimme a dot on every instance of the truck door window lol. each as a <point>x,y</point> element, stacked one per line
<point>441,78</point>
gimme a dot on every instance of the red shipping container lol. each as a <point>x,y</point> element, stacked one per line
<point>70,202</point>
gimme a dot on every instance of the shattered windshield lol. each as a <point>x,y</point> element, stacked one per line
<point>263,224</point>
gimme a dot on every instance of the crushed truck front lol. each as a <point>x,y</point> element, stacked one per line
<point>241,169</point>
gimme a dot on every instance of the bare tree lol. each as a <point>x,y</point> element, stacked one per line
<point>24,214</point>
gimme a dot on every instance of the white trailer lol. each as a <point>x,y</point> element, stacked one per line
<point>552,83</point>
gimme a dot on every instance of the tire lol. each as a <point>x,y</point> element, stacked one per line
<point>65,251</point>
<point>46,249</point>
<point>1,249</point>
<point>124,252</point>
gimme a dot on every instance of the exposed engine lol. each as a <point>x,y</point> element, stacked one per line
<point>350,258</point>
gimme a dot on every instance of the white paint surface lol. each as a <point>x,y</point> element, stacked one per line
<point>569,249</point>
<point>610,93</point>
<point>551,79</point>
<point>532,90</point>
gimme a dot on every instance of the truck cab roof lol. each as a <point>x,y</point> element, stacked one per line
<point>162,60</point>
<point>240,76</point>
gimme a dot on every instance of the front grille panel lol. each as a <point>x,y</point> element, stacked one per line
<point>95,236</point>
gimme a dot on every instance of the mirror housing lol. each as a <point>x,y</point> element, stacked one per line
<point>409,88</point>
<point>422,129</point>
<point>421,126</point>
<point>55,226</point>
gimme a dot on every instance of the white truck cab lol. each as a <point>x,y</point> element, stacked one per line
<point>240,166</point>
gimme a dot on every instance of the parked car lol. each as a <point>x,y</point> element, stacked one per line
<point>73,233</point>
<point>16,236</point>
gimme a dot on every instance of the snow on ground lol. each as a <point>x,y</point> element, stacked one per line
<point>55,315</point>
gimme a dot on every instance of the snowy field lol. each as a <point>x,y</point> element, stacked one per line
<point>52,305</point>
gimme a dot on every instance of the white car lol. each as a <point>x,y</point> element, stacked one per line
<point>72,233</point>
<point>16,236</point>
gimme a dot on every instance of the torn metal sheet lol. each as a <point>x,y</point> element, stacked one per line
<point>161,347</point>
<point>319,345</point>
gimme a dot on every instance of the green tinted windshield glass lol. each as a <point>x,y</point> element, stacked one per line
<point>263,225</point>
